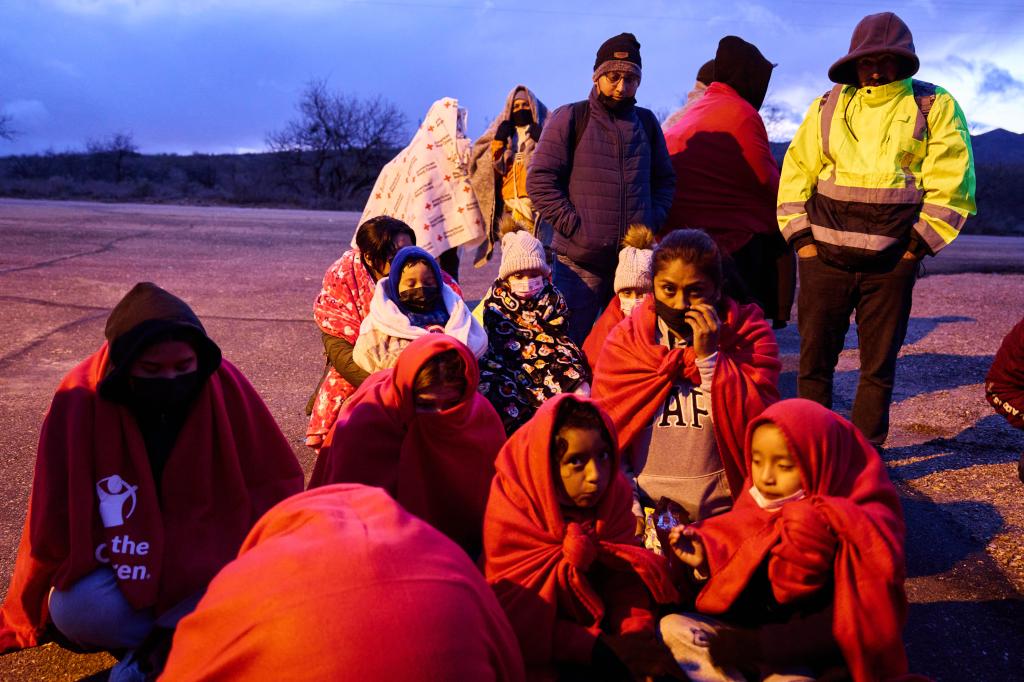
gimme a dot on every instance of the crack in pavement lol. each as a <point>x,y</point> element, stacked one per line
<point>109,246</point>
<point>39,340</point>
<point>79,306</point>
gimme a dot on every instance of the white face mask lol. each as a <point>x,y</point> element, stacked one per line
<point>526,288</point>
<point>627,304</point>
<point>774,505</point>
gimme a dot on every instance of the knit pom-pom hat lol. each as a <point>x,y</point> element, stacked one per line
<point>520,250</point>
<point>634,268</point>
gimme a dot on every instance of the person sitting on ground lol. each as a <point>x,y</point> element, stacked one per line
<point>423,433</point>
<point>381,596</point>
<point>632,285</point>
<point>410,302</point>
<point>1004,385</point>
<point>155,459</point>
<point>498,165</point>
<point>339,310</point>
<point>560,553</point>
<point>806,573</point>
<point>682,377</point>
<point>529,357</point>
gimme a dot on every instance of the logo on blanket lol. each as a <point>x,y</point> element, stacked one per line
<point>115,494</point>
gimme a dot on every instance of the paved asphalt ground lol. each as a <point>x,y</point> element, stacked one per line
<point>251,275</point>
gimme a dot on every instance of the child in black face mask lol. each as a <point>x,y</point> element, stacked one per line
<point>412,301</point>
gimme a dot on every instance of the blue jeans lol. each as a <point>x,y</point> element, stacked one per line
<point>586,290</point>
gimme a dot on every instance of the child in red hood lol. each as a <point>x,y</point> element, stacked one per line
<point>808,565</point>
<point>560,553</point>
<point>423,432</point>
<point>155,459</point>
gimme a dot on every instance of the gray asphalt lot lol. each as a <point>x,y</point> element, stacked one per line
<point>251,275</point>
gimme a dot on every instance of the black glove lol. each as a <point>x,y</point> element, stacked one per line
<point>506,129</point>
<point>534,131</point>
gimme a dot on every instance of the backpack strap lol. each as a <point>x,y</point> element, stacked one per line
<point>924,97</point>
<point>579,117</point>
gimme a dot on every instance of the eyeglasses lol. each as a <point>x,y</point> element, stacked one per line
<point>628,78</point>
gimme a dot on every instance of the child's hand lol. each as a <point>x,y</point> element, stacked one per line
<point>644,655</point>
<point>705,324</point>
<point>688,548</point>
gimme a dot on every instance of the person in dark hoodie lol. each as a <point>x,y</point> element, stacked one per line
<point>498,165</point>
<point>728,179</point>
<point>155,459</point>
<point>600,166</point>
<point>879,175</point>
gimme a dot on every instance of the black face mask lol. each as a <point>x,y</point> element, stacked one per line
<point>164,395</point>
<point>420,299</point>
<point>523,117</point>
<point>674,319</point>
<point>616,105</point>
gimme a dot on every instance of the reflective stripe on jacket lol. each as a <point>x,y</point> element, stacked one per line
<point>866,177</point>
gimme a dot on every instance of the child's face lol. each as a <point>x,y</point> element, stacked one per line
<point>772,467</point>
<point>523,275</point>
<point>417,275</point>
<point>437,398</point>
<point>682,285</point>
<point>585,468</point>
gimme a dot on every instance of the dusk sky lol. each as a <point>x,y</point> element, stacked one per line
<point>218,75</point>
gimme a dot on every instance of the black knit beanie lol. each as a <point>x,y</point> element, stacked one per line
<point>621,53</point>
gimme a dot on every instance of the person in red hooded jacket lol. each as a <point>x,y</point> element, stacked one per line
<point>728,178</point>
<point>808,568</point>
<point>155,459</point>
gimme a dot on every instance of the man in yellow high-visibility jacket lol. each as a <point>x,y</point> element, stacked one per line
<point>879,175</point>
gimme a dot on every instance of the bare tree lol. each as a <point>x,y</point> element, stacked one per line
<point>343,140</point>
<point>6,132</point>
<point>116,148</point>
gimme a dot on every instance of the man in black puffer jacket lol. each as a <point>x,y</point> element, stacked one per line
<point>600,165</point>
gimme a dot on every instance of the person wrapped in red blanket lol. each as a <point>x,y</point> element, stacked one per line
<point>560,552</point>
<point>155,459</point>
<point>809,563</point>
<point>681,378</point>
<point>349,586</point>
<point>1004,384</point>
<point>421,431</point>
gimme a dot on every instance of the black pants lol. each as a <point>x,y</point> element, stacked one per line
<point>449,262</point>
<point>767,268</point>
<point>882,303</point>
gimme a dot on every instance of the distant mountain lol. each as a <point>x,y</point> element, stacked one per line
<point>998,147</point>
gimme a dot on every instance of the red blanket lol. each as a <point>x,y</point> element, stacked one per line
<point>535,560</point>
<point>341,583</point>
<point>437,465</point>
<point>611,316</point>
<point>848,489</point>
<point>635,374</point>
<point>1004,384</point>
<point>94,499</point>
